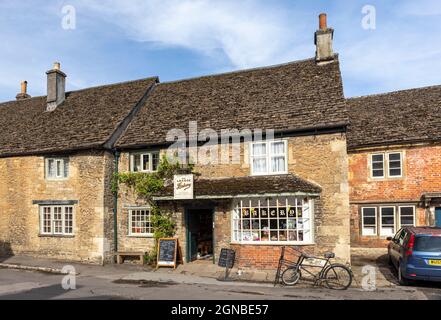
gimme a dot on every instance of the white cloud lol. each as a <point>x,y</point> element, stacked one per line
<point>249,33</point>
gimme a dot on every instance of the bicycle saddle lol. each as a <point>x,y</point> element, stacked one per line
<point>329,255</point>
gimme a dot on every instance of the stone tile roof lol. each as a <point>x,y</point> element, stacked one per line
<point>293,96</point>
<point>394,118</point>
<point>87,119</point>
<point>255,185</point>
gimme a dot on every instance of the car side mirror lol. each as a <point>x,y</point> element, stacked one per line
<point>389,238</point>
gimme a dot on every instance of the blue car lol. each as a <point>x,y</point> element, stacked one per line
<point>416,254</point>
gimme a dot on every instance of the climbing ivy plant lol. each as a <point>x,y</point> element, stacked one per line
<point>146,185</point>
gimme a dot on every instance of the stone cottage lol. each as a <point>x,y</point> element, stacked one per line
<point>291,189</point>
<point>56,164</point>
<point>394,163</point>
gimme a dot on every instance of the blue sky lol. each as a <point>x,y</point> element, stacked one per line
<point>121,40</point>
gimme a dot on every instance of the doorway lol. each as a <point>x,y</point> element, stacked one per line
<point>438,217</point>
<point>200,227</point>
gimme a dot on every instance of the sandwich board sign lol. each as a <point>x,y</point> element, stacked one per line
<point>169,253</point>
<point>183,187</point>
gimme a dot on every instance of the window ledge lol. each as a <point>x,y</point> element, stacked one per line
<point>262,243</point>
<point>132,236</point>
<point>56,236</point>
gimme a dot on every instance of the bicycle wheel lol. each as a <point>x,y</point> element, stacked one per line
<point>338,277</point>
<point>291,276</point>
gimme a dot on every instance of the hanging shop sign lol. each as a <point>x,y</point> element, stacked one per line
<point>184,187</point>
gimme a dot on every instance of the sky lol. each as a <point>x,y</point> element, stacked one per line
<point>383,45</point>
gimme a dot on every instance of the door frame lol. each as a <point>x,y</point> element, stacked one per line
<point>187,211</point>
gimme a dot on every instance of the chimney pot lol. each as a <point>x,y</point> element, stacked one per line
<point>323,41</point>
<point>323,23</point>
<point>24,91</point>
<point>57,66</point>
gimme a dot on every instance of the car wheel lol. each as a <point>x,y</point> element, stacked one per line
<point>401,280</point>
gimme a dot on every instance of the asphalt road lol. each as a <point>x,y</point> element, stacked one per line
<point>19,285</point>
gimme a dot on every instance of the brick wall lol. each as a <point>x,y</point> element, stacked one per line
<point>421,174</point>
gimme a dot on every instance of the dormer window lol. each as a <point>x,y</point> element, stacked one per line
<point>57,168</point>
<point>144,161</point>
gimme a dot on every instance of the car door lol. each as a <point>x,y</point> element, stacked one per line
<point>395,247</point>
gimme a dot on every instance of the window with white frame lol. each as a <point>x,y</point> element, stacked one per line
<point>273,220</point>
<point>57,168</point>
<point>144,161</point>
<point>387,165</point>
<point>387,219</point>
<point>407,216</point>
<point>269,157</point>
<point>369,221</point>
<point>56,220</point>
<point>140,222</point>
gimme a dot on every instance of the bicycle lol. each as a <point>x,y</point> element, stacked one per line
<point>335,276</point>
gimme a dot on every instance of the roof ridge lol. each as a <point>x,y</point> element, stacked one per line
<point>86,89</point>
<point>393,92</point>
<point>241,71</point>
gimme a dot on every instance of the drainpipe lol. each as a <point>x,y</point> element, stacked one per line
<point>115,207</point>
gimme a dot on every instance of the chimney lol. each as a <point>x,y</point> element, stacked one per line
<point>323,40</point>
<point>56,86</point>
<point>24,91</point>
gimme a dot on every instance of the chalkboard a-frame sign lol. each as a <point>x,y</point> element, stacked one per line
<point>168,253</point>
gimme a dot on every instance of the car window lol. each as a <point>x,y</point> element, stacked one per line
<point>402,237</point>
<point>397,235</point>
<point>428,244</point>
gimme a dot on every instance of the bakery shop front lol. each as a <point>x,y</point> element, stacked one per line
<point>255,216</point>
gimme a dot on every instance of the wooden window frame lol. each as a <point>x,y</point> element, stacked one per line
<point>142,154</point>
<point>130,223</point>
<point>63,162</point>
<point>268,156</point>
<point>52,221</point>
<point>386,165</point>
<point>376,222</point>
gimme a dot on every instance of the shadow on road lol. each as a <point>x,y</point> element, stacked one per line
<point>5,251</point>
<point>53,292</point>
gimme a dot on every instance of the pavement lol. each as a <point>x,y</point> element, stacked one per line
<point>191,281</point>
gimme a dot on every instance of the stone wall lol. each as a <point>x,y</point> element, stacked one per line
<point>23,181</point>
<point>421,174</point>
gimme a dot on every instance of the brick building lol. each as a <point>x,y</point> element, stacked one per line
<point>394,163</point>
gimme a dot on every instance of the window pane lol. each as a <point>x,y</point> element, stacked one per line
<point>278,164</point>
<point>259,149</point>
<point>66,168</point>
<point>136,162</point>
<point>155,161</point>
<point>395,172</point>
<point>395,165</point>
<point>259,165</point>
<point>394,156</point>
<point>51,168</point>
<point>377,173</point>
<point>377,165</point>
<point>278,148</point>
<point>59,168</point>
<point>377,158</point>
<point>145,162</point>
